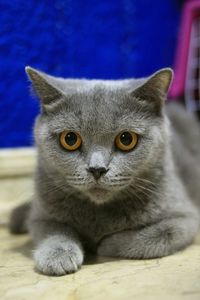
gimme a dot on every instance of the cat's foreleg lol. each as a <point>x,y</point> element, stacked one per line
<point>157,240</point>
<point>59,250</point>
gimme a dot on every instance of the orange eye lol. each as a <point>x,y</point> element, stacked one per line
<point>126,140</point>
<point>70,140</point>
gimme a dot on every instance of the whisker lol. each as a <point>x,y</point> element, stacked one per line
<point>120,180</point>
<point>143,189</point>
<point>117,184</point>
<point>146,181</point>
<point>128,192</point>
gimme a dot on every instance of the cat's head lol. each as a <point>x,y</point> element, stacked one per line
<point>98,136</point>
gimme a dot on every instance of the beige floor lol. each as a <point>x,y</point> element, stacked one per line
<point>174,277</point>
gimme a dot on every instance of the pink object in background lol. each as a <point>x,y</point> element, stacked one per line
<point>192,83</point>
<point>191,11</point>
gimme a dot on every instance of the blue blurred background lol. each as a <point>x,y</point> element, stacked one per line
<point>76,38</point>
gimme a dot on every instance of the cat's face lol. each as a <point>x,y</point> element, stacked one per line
<point>99,136</point>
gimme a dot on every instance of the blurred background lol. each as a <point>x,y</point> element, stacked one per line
<point>92,39</point>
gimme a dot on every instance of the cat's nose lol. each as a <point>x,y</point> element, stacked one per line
<point>97,172</point>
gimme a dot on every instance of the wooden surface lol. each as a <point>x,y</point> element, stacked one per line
<point>174,277</point>
<point>18,162</point>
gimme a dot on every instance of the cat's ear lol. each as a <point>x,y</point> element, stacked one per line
<point>45,86</point>
<point>154,89</point>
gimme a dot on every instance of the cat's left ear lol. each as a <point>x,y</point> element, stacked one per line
<point>155,88</point>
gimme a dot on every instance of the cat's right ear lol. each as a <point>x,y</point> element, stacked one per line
<point>44,87</point>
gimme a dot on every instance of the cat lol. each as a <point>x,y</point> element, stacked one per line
<point>117,172</point>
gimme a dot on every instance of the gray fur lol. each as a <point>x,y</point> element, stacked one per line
<point>147,203</point>
<point>18,218</point>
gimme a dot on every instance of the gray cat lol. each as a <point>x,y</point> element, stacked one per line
<point>117,173</point>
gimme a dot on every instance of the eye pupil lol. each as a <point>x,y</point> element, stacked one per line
<point>71,138</point>
<point>126,138</point>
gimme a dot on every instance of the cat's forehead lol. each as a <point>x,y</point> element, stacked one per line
<point>98,97</point>
<point>95,108</point>
<point>101,95</point>
<point>98,108</point>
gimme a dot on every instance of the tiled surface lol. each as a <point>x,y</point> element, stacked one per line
<point>175,277</point>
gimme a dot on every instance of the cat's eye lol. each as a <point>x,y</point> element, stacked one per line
<point>70,140</point>
<point>126,140</point>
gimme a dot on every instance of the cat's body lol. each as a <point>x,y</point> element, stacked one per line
<point>144,205</point>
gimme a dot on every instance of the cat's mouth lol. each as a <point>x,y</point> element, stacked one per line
<point>97,190</point>
<point>100,192</point>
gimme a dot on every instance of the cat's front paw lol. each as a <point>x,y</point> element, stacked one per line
<point>58,256</point>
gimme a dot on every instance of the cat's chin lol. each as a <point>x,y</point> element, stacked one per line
<point>99,195</point>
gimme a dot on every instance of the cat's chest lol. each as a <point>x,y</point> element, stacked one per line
<point>95,222</point>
